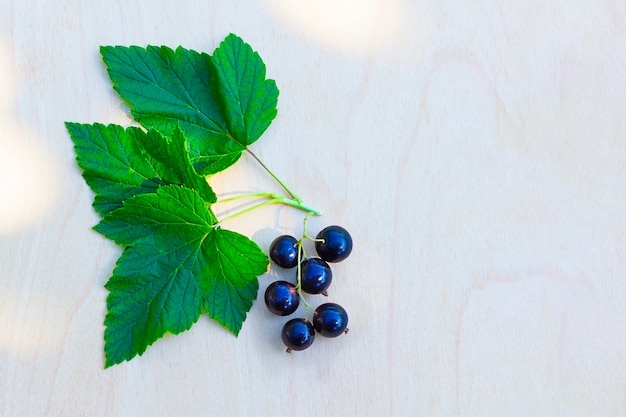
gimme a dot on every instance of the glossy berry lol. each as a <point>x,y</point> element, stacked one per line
<point>334,244</point>
<point>316,275</point>
<point>284,251</point>
<point>330,320</point>
<point>298,334</point>
<point>281,298</point>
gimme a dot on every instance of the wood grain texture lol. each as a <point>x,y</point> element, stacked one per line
<point>475,150</point>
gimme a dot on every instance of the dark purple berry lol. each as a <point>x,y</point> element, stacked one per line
<point>330,320</point>
<point>334,244</point>
<point>284,251</point>
<point>315,275</point>
<point>281,298</point>
<point>298,334</point>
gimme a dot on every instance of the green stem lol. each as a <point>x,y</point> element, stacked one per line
<point>301,254</point>
<point>244,211</point>
<point>242,196</point>
<point>271,199</point>
<point>298,204</point>
<point>275,199</point>
<point>282,184</point>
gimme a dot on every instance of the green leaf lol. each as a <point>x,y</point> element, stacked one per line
<point>199,113</point>
<point>166,89</point>
<point>116,165</point>
<point>248,100</point>
<point>231,259</point>
<point>177,265</point>
<point>220,106</point>
<point>149,298</point>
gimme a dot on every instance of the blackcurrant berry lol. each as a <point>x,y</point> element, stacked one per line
<point>298,334</point>
<point>315,275</point>
<point>284,251</point>
<point>334,244</point>
<point>330,320</point>
<point>281,298</point>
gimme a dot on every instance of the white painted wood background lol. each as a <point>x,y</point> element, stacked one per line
<point>475,149</point>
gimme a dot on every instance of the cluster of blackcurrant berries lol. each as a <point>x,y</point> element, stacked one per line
<point>332,244</point>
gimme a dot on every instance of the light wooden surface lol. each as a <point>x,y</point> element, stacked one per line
<point>475,149</point>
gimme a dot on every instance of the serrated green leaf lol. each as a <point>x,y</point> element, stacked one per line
<point>152,292</point>
<point>177,264</point>
<point>248,100</point>
<point>200,112</point>
<point>231,259</point>
<point>168,88</point>
<point>221,107</point>
<point>116,165</point>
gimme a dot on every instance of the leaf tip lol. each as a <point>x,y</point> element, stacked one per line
<point>104,50</point>
<point>235,330</point>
